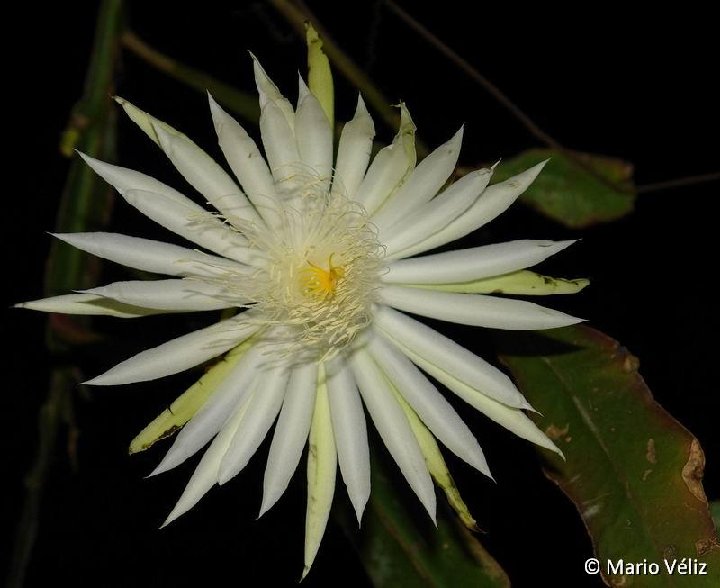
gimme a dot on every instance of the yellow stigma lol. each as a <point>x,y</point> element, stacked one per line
<point>320,282</point>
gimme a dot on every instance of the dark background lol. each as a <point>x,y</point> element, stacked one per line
<point>641,88</point>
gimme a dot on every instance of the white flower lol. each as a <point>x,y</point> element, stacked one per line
<point>318,260</point>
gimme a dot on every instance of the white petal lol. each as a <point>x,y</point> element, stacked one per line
<point>393,426</point>
<point>246,162</point>
<point>291,433</point>
<point>354,151</point>
<point>321,472</point>
<point>465,265</point>
<point>187,219</point>
<point>213,416</point>
<point>495,200</point>
<point>390,168</point>
<point>124,179</point>
<point>176,295</point>
<point>434,411</point>
<point>146,122</point>
<point>435,215</point>
<point>150,256</point>
<point>269,93</point>
<point>170,209</point>
<point>348,422</point>
<point>513,419</point>
<point>178,354</point>
<point>207,177</point>
<point>437,349</point>
<point>205,475</point>
<point>425,181</point>
<point>314,141</point>
<point>88,304</point>
<point>268,392</point>
<point>280,148</point>
<point>479,310</point>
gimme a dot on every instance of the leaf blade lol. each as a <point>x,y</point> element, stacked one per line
<point>575,189</point>
<point>632,471</point>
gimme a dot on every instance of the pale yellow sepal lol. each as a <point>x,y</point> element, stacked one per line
<point>319,75</point>
<point>146,122</point>
<point>188,403</point>
<point>322,468</point>
<point>523,282</point>
<point>435,462</point>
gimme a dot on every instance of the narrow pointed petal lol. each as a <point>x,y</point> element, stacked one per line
<point>124,179</point>
<point>147,123</point>
<point>513,419</point>
<point>267,397</point>
<point>230,394</point>
<point>435,215</point>
<point>394,429</point>
<point>246,162</point>
<point>465,265</point>
<point>88,304</point>
<point>192,222</point>
<point>495,200</point>
<point>348,422</point>
<point>428,403</point>
<point>452,358</point>
<point>170,209</point>
<point>269,93</point>
<point>178,354</point>
<point>150,256</point>
<point>520,283</point>
<point>280,148</point>
<point>205,475</point>
<point>354,152</point>
<point>291,433</point>
<point>314,141</point>
<point>479,310</point>
<point>174,295</point>
<point>424,183</point>
<point>208,178</point>
<point>321,472</point>
<point>390,168</point>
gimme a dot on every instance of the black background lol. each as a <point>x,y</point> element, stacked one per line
<point>601,80</point>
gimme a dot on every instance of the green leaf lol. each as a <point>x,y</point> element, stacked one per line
<point>575,189</point>
<point>633,472</point>
<point>715,512</point>
<point>398,551</point>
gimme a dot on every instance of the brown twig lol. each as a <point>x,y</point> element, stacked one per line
<point>678,183</point>
<point>476,76</point>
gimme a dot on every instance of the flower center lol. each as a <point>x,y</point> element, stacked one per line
<point>319,282</point>
<point>320,270</point>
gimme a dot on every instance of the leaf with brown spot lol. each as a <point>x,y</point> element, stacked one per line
<point>633,472</point>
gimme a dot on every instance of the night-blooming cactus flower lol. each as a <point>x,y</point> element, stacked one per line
<point>316,260</point>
